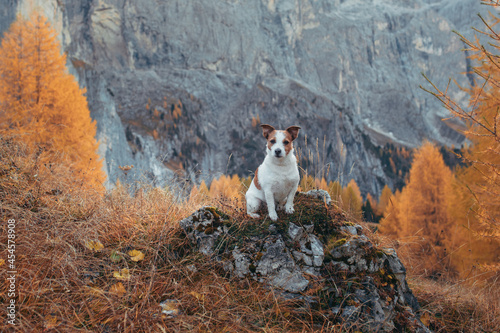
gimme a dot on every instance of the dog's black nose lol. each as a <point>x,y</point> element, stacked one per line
<point>277,152</point>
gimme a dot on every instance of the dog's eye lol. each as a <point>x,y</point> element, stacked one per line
<point>273,141</point>
<point>286,142</point>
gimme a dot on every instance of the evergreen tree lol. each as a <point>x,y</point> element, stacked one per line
<point>41,103</point>
<point>370,209</point>
<point>368,212</point>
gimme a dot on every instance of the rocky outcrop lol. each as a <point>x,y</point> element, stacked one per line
<point>362,287</point>
<point>180,83</point>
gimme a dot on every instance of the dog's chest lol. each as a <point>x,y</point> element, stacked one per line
<point>281,180</point>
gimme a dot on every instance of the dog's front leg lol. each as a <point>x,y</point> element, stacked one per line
<point>289,201</point>
<point>271,206</point>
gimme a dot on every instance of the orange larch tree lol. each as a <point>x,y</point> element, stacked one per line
<point>226,187</point>
<point>384,200</point>
<point>41,103</point>
<point>478,186</point>
<point>335,191</point>
<point>422,209</point>
<point>352,200</point>
<point>390,223</point>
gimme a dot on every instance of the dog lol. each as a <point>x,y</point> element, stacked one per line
<point>277,178</point>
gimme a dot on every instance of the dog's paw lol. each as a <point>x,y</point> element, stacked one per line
<point>273,216</point>
<point>289,209</point>
<point>253,215</point>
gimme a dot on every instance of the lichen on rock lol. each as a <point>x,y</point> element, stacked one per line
<point>363,288</point>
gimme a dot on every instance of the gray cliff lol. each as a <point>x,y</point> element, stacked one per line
<point>175,85</point>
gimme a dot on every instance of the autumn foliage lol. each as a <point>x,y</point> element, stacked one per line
<point>483,119</point>
<point>41,103</point>
<point>422,209</point>
<point>477,204</point>
<point>433,220</point>
<point>482,116</point>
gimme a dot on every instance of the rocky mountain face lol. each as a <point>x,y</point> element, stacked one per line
<point>179,87</point>
<point>361,287</point>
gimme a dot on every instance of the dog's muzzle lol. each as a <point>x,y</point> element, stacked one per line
<point>277,152</point>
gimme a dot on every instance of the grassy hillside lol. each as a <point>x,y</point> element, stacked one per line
<point>112,263</point>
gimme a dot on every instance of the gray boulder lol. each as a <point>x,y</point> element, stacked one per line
<point>364,287</point>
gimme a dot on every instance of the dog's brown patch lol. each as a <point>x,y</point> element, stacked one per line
<point>288,141</point>
<point>256,180</point>
<point>271,137</point>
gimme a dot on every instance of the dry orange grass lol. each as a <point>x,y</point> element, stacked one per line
<point>457,306</point>
<point>449,303</point>
<point>76,271</point>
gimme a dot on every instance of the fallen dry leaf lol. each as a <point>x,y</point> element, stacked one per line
<point>123,274</point>
<point>118,289</point>
<point>136,255</point>
<point>94,245</point>
<point>197,295</point>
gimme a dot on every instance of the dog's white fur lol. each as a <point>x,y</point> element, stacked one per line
<point>278,176</point>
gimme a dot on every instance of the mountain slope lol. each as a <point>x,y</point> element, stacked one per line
<point>174,86</point>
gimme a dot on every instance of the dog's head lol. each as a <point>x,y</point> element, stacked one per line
<point>279,143</point>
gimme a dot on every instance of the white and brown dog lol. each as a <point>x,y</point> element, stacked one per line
<point>277,178</point>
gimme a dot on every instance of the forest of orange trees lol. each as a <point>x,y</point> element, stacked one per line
<point>445,221</point>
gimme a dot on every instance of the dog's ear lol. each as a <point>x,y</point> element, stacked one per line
<point>294,131</point>
<point>266,130</point>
